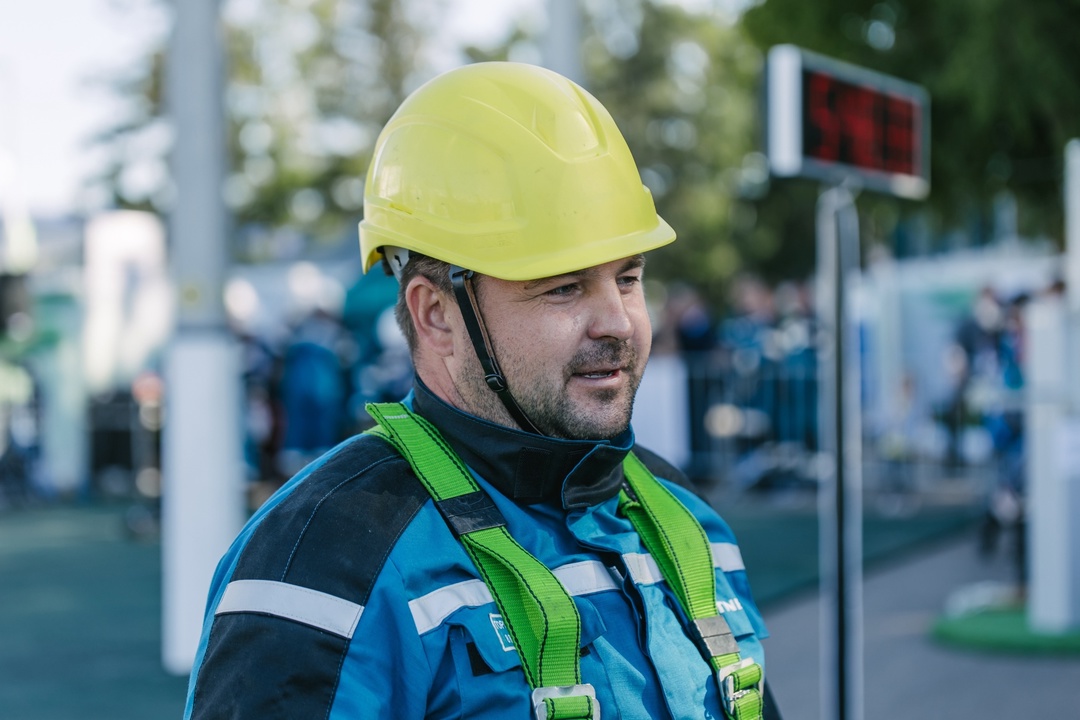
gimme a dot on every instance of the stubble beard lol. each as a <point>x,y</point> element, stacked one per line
<point>546,399</point>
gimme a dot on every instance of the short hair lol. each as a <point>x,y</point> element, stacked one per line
<point>437,271</point>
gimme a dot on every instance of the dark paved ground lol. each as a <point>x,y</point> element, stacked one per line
<point>907,674</point>
<point>80,608</point>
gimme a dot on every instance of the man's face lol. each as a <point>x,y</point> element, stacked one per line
<point>572,348</point>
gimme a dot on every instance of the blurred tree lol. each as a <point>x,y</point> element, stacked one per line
<point>680,85</point>
<point>1004,82</point>
<point>311,82</point>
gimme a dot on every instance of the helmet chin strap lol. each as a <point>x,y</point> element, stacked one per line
<point>461,281</point>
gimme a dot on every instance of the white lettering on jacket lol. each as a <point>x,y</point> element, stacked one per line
<point>732,605</point>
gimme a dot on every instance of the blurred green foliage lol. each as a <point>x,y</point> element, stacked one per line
<point>310,85</point>
<point>1004,82</point>
<point>685,102</point>
<point>312,82</point>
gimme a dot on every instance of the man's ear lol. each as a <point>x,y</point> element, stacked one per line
<point>430,310</point>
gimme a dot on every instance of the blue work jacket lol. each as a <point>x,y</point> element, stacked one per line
<point>347,596</point>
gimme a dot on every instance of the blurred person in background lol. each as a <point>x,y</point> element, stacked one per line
<point>1005,422</point>
<point>687,328</point>
<point>263,416</point>
<point>499,546</point>
<point>796,327</point>
<point>313,389</point>
<point>973,363</point>
<point>383,369</point>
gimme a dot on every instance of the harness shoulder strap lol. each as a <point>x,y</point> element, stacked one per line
<point>540,615</point>
<point>683,553</point>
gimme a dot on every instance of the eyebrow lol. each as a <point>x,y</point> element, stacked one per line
<point>633,262</point>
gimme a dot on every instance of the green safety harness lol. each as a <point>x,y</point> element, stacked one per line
<point>540,615</point>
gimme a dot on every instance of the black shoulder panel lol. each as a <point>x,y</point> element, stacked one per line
<point>661,468</point>
<point>335,530</point>
<point>333,534</point>
<point>257,666</point>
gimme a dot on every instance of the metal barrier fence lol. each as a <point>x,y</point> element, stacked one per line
<point>754,427</point>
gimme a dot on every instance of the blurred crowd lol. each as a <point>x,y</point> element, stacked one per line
<point>752,381</point>
<point>307,391</point>
<point>752,391</point>
<point>751,398</point>
<point>751,375</point>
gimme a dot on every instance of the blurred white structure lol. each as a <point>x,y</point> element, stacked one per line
<point>661,410</point>
<point>910,309</point>
<point>19,239</point>
<point>1053,436</point>
<point>128,304</point>
<point>202,505</point>
<point>1053,474</point>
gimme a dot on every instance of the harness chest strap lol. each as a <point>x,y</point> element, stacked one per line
<point>682,551</point>
<point>540,616</point>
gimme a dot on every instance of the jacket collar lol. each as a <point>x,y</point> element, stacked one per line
<point>526,467</point>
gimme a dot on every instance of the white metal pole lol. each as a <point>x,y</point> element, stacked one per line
<point>202,504</point>
<point>561,48</point>
<point>1052,435</point>
<point>1053,486</point>
<point>1072,233</point>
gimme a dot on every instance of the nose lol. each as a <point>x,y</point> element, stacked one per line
<point>613,313</point>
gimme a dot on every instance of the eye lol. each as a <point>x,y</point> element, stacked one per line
<point>562,290</point>
<point>629,281</point>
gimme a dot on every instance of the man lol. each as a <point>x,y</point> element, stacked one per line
<point>494,549</point>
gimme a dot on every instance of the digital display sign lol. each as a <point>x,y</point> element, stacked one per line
<point>835,122</point>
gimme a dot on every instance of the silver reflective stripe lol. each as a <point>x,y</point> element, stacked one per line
<point>429,611</point>
<point>644,570</point>
<point>311,607</point>
<point>585,577</point>
<point>727,557</point>
<point>580,578</point>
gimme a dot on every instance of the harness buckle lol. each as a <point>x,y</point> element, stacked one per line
<point>730,693</point>
<point>561,691</point>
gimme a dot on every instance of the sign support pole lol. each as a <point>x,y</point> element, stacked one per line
<point>845,126</point>
<point>839,432</point>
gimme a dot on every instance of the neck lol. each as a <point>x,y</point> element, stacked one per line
<point>526,467</point>
<point>463,389</point>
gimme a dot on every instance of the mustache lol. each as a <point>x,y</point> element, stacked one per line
<point>614,353</point>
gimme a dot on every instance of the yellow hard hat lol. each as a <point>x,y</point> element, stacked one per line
<point>510,170</point>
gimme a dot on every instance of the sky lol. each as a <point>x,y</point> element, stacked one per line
<point>50,52</point>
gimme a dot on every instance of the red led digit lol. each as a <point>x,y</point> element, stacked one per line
<point>860,133</point>
<point>823,118</point>
<point>900,136</point>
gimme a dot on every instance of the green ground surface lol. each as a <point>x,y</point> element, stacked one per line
<point>1003,630</point>
<point>780,547</point>
<point>80,602</point>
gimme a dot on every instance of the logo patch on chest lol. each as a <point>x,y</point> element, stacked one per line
<point>502,632</point>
